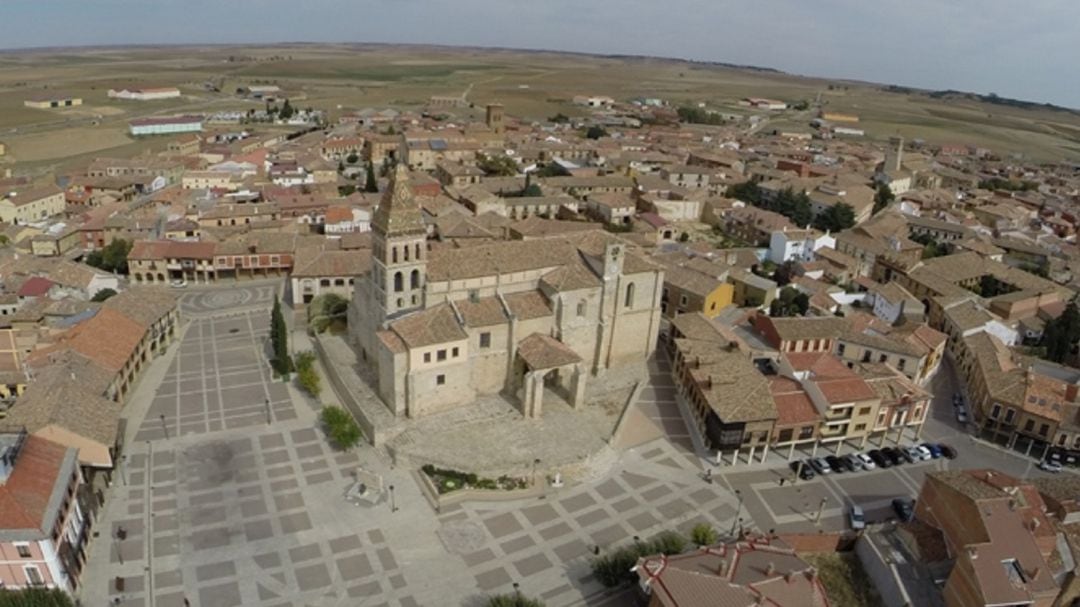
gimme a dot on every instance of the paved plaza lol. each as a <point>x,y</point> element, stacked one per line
<point>230,494</point>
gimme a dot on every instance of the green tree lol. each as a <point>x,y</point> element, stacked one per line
<point>747,191</point>
<point>501,165</point>
<point>513,600</point>
<point>1061,334</point>
<point>103,294</point>
<point>35,597</point>
<point>279,340</point>
<point>346,190</point>
<point>784,273</point>
<point>882,198</point>
<point>703,534</point>
<point>696,115</point>
<point>340,427</point>
<point>112,257</point>
<point>559,118</point>
<point>286,111</point>
<point>836,218</point>
<point>352,158</point>
<point>790,302</point>
<point>371,185</point>
<point>595,132</point>
<point>551,169</point>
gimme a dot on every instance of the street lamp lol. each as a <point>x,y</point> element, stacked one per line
<point>536,462</point>
<point>738,510</point>
<point>393,505</point>
<point>821,508</point>
<point>267,411</point>
<point>121,535</point>
<point>164,427</point>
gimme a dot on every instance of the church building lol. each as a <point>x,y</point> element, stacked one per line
<point>444,326</point>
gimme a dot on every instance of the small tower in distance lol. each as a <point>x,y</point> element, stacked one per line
<point>495,118</point>
<point>894,154</point>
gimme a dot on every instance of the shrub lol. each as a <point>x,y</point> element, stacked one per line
<point>103,294</point>
<point>308,379</point>
<point>666,542</point>
<point>35,597</point>
<point>513,600</point>
<point>341,427</point>
<point>703,534</point>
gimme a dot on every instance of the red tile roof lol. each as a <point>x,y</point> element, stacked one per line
<point>24,498</point>
<point>35,287</point>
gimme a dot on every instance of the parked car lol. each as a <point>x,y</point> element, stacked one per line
<point>857,518</point>
<point>820,465</point>
<point>803,469</point>
<point>905,508</point>
<point>854,463</point>
<point>836,464</point>
<point>1049,465</point>
<point>935,450</point>
<point>893,455</point>
<point>179,283</point>
<point>919,453</point>
<point>947,451</point>
<point>906,455</point>
<point>880,458</point>
<point>867,461</point>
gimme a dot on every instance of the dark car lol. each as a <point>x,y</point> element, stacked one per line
<point>905,455</point>
<point>905,508</point>
<point>838,465</point>
<point>880,458</point>
<point>805,473</point>
<point>935,449</point>
<point>893,455</point>
<point>947,451</point>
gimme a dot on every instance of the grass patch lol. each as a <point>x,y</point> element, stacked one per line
<point>844,579</point>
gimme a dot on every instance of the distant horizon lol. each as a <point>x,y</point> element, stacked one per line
<point>983,46</point>
<point>672,58</point>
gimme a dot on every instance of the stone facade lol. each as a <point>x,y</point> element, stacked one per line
<point>444,326</point>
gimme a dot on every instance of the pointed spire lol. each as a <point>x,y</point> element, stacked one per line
<point>398,212</point>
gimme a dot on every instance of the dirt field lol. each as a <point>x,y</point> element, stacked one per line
<point>530,84</point>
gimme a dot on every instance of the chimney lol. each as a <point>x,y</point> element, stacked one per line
<point>1071,392</point>
<point>972,553</point>
<point>770,569</point>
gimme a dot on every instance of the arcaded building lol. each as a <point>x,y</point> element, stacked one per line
<point>444,326</point>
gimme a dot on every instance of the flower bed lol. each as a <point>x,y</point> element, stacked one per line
<point>447,481</point>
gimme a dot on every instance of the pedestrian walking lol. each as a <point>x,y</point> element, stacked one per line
<point>708,476</point>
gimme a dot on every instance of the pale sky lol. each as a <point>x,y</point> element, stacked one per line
<point>1021,49</point>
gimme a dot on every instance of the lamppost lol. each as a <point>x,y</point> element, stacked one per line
<point>738,510</point>
<point>267,411</point>
<point>517,591</point>
<point>393,504</point>
<point>164,427</point>
<point>121,535</point>
<point>536,462</point>
<point>821,508</point>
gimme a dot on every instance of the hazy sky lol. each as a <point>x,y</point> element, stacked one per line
<point>1023,49</point>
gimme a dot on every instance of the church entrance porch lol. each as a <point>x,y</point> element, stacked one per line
<point>544,361</point>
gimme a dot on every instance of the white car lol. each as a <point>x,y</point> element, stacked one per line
<point>867,463</point>
<point>179,283</point>
<point>923,452</point>
<point>1049,465</point>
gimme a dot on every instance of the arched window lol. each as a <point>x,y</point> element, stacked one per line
<point>399,282</point>
<point>630,295</point>
<point>414,280</point>
<point>393,254</point>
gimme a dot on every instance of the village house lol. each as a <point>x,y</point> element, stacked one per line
<point>30,204</point>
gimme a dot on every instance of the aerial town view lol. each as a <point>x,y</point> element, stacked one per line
<point>551,306</point>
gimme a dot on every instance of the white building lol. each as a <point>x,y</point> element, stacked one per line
<point>797,245</point>
<point>154,94</point>
<point>166,126</point>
